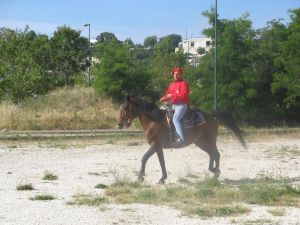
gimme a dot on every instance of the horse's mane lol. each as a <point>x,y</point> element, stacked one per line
<point>151,110</point>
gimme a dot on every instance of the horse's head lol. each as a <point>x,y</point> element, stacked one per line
<point>127,112</point>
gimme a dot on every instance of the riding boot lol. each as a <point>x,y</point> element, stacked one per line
<point>178,143</point>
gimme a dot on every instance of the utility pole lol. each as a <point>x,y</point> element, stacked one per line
<point>89,52</point>
<point>215,72</point>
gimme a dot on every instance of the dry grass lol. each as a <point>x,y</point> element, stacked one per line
<point>24,187</point>
<point>208,198</point>
<point>42,197</point>
<point>66,108</point>
<point>277,211</point>
<point>49,176</point>
<point>89,200</point>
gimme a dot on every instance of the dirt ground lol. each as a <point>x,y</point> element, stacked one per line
<point>82,164</point>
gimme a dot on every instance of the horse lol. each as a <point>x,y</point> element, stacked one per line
<point>156,129</point>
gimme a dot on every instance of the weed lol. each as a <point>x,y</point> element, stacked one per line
<point>133,143</point>
<point>219,211</point>
<point>94,173</point>
<point>277,211</point>
<point>101,186</point>
<point>266,193</point>
<point>89,200</point>
<point>49,176</point>
<point>259,222</point>
<point>184,180</point>
<point>25,187</point>
<point>44,197</point>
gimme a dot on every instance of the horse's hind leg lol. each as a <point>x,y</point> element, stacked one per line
<point>145,158</point>
<point>161,159</point>
<point>214,155</point>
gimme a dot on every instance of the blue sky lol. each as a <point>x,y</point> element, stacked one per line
<point>136,19</point>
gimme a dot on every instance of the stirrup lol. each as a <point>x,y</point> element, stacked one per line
<point>178,143</point>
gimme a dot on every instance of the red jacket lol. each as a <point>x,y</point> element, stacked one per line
<point>179,91</point>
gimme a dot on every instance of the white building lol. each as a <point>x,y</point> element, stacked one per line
<point>192,48</point>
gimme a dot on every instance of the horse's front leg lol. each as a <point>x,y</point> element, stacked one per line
<point>145,158</point>
<point>161,159</point>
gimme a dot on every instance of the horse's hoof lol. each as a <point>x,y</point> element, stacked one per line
<point>140,179</point>
<point>217,173</point>
<point>161,181</point>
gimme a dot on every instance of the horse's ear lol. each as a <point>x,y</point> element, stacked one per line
<point>129,98</point>
<point>126,97</point>
<point>132,98</point>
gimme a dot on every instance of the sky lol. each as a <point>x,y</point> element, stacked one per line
<point>135,19</point>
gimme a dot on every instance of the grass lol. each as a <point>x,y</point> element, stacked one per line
<point>24,187</point>
<point>81,108</point>
<point>277,211</point>
<point>260,222</point>
<point>266,193</point>
<point>101,186</point>
<point>44,197</point>
<point>88,200</point>
<point>94,173</point>
<point>133,143</point>
<point>208,198</point>
<point>49,176</point>
<point>183,180</point>
<point>220,211</point>
<point>64,108</point>
<point>270,133</point>
<point>283,151</point>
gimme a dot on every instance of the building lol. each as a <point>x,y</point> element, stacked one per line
<point>195,48</point>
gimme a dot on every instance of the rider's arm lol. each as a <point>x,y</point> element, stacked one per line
<point>167,95</point>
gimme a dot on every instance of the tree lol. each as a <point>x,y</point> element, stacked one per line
<point>172,39</point>
<point>256,69</point>
<point>120,73</point>
<point>286,84</point>
<point>69,53</point>
<point>129,43</point>
<point>106,37</point>
<point>150,41</point>
<point>20,74</point>
<point>201,51</point>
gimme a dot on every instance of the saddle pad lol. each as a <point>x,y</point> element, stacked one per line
<point>192,119</point>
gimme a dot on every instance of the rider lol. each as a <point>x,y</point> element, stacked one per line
<point>178,94</point>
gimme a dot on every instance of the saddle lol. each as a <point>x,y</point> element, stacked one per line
<point>192,118</point>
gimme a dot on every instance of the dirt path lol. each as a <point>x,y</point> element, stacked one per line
<point>80,165</point>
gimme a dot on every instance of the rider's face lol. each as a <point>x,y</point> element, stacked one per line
<point>177,75</point>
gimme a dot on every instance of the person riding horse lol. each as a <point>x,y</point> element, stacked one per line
<point>178,95</point>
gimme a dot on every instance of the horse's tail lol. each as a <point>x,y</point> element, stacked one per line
<point>229,123</point>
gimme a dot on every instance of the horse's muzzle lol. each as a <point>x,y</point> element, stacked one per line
<point>119,126</point>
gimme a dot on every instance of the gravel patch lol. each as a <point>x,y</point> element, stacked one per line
<point>81,167</point>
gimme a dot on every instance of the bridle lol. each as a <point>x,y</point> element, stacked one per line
<point>127,114</point>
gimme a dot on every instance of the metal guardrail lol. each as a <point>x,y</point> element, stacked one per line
<point>7,135</point>
<point>43,134</point>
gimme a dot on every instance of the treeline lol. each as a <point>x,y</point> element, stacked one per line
<point>33,64</point>
<point>258,69</point>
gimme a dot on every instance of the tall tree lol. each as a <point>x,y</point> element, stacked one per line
<point>106,37</point>
<point>286,84</point>
<point>20,74</point>
<point>150,41</point>
<point>69,53</point>
<point>119,72</point>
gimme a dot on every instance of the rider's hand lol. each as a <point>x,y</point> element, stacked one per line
<point>168,96</point>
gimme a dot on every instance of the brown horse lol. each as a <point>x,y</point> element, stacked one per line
<point>156,128</point>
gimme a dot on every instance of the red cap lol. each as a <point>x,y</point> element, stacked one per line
<point>177,69</point>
